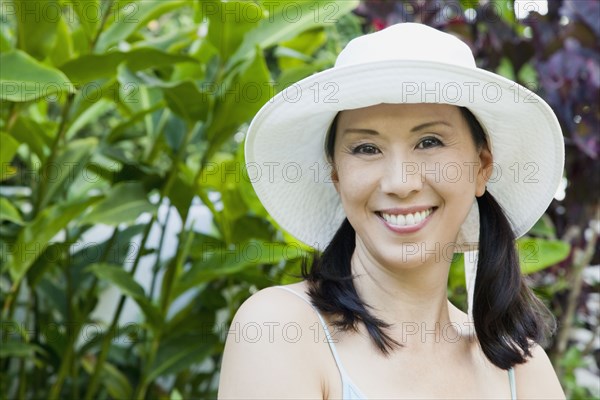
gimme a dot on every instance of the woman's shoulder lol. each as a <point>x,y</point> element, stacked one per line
<point>538,368</point>
<point>269,351</point>
<point>277,302</point>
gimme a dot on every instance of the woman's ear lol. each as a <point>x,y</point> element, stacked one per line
<point>334,176</point>
<point>486,168</point>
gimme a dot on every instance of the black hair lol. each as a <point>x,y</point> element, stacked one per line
<point>508,317</point>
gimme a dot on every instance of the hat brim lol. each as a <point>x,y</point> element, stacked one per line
<point>285,142</point>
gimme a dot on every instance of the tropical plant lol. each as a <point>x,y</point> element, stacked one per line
<point>120,121</point>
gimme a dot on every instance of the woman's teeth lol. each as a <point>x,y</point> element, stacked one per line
<point>406,219</point>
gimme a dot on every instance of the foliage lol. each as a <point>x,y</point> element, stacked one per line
<point>122,125</point>
<point>113,112</point>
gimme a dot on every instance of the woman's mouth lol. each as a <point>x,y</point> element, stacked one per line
<point>406,221</point>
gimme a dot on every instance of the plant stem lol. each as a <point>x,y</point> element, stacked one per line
<point>66,365</point>
<point>102,24</point>
<point>22,386</point>
<point>62,130</point>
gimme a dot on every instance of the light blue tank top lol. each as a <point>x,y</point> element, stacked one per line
<point>349,389</point>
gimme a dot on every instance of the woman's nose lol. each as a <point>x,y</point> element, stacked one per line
<point>401,177</point>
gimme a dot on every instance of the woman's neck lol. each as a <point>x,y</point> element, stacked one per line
<point>413,299</point>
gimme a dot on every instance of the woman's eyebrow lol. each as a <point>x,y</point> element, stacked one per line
<point>429,124</point>
<point>363,131</point>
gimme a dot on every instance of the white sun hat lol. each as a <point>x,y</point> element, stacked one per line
<point>404,63</point>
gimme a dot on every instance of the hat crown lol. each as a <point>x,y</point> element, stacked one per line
<point>408,42</point>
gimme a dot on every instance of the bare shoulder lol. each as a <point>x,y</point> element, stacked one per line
<point>536,379</point>
<point>269,353</point>
<point>275,302</point>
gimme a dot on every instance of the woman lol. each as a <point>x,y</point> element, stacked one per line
<point>422,147</point>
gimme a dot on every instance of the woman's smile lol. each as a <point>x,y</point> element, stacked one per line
<point>405,222</point>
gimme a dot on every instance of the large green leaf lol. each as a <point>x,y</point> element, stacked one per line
<point>37,21</point>
<point>536,254</point>
<point>117,276</point>
<point>288,20</point>
<point>23,78</point>
<point>124,203</point>
<point>94,66</point>
<point>34,237</point>
<point>228,23</point>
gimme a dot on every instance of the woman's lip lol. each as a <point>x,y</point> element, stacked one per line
<point>406,229</point>
<point>406,210</point>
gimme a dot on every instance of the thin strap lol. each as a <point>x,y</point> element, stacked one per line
<point>513,386</point>
<point>330,340</point>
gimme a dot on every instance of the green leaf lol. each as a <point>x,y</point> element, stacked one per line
<point>12,348</point>
<point>34,237</point>
<point>181,195</point>
<point>184,98</point>
<point>248,90</point>
<point>6,42</point>
<point>33,134</point>
<point>8,212</point>
<point>187,101</point>
<point>63,49</point>
<point>23,78</point>
<point>123,204</point>
<point>66,168</point>
<point>536,254</point>
<point>117,384</point>
<point>88,13</point>
<point>223,262</point>
<point>228,23</point>
<point>37,21</point>
<point>53,292</point>
<point>180,353</point>
<point>131,17</point>
<point>94,66</point>
<point>280,26</point>
<point>175,395</point>
<point>117,276</point>
<point>305,45</point>
<point>544,228</point>
<point>89,115</point>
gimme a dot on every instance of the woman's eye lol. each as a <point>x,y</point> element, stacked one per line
<point>365,149</point>
<point>429,142</point>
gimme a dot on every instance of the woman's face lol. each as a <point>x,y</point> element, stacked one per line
<point>407,175</point>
